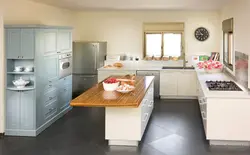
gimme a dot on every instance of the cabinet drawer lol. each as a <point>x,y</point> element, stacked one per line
<point>66,80</point>
<point>50,110</point>
<point>50,97</point>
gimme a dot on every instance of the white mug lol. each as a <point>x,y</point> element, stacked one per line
<point>18,68</point>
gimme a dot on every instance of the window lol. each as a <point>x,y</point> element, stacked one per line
<point>164,40</point>
<point>228,43</point>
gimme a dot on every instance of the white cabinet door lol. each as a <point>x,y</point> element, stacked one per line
<point>168,83</point>
<point>50,41</point>
<point>64,41</point>
<point>187,83</point>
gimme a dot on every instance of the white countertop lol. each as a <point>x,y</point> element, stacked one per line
<point>203,77</point>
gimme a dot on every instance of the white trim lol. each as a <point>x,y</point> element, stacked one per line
<point>229,143</point>
<point>2,68</point>
<point>178,97</point>
<point>123,142</point>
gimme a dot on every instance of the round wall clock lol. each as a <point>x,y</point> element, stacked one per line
<point>201,34</point>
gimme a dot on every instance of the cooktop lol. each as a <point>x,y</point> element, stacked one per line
<point>222,86</point>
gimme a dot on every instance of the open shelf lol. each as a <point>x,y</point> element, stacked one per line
<point>25,88</point>
<point>21,73</point>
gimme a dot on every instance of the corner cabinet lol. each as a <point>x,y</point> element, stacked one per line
<point>32,109</point>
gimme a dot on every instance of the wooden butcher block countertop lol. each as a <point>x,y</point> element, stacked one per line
<point>97,97</point>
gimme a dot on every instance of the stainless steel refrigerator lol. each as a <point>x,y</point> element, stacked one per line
<point>87,58</point>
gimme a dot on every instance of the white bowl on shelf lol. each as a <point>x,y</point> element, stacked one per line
<point>18,69</point>
<point>28,69</point>
<point>110,86</point>
<point>20,83</point>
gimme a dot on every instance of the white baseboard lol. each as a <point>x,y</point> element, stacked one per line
<point>52,120</point>
<point>123,142</point>
<point>178,97</point>
<point>229,143</point>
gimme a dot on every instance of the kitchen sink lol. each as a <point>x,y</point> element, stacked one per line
<point>167,67</point>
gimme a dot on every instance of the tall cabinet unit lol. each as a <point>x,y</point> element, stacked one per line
<point>32,109</point>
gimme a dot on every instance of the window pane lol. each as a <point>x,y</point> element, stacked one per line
<point>226,47</point>
<point>172,44</point>
<point>153,44</point>
<point>230,48</point>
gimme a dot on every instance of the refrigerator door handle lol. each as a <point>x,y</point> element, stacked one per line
<point>87,76</point>
<point>95,56</point>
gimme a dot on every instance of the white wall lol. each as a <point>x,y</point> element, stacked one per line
<point>123,29</point>
<point>1,75</point>
<point>27,12</point>
<point>240,11</point>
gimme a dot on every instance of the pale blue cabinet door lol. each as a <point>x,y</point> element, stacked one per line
<point>64,41</point>
<point>27,43</point>
<point>12,110</point>
<point>50,41</point>
<point>13,43</point>
<point>51,67</point>
<point>27,110</point>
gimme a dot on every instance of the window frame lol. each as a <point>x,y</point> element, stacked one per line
<point>229,55</point>
<point>182,57</point>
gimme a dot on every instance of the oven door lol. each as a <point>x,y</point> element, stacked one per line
<point>65,67</point>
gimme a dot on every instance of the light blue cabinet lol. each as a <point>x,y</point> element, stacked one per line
<point>50,41</point>
<point>19,111</point>
<point>64,41</point>
<point>27,110</point>
<point>27,43</point>
<point>19,43</point>
<point>30,112</point>
<point>12,110</point>
<point>51,67</point>
<point>13,43</point>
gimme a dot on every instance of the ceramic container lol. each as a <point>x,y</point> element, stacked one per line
<point>18,69</point>
<point>20,83</point>
<point>29,69</point>
<point>110,87</point>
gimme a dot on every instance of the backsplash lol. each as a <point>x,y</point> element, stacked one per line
<point>241,68</point>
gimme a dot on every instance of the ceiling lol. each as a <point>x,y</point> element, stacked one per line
<point>137,4</point>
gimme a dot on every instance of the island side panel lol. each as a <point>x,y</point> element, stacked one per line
<point>125,126</point>
<point>228,121</point>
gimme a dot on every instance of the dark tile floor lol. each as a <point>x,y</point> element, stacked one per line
<point>174,129</point>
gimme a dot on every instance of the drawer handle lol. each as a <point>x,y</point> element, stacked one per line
<point>145,117</point>
<point>50,81</point>
<point>204,99</point>
<point>50,85</point>
<point>144,102</point>
<point>50,98</point>
<point>65,89</point>
<point>151,104</point>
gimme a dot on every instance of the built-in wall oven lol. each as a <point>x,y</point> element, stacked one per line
<point>65,65</point>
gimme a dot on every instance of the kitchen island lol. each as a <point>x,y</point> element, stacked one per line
<point>126,115</point>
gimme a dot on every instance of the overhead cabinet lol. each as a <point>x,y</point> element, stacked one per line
<point>64,41</point>
<point>20,43</point>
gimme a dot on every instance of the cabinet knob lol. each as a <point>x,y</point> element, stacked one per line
<point>50,85</point>
<point>22,56</point>
<point>18,56</point>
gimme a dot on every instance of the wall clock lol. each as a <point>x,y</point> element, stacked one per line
<point>201,34</point>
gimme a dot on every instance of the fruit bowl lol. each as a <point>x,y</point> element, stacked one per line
<point>125,88</point>
<point>110,84</point>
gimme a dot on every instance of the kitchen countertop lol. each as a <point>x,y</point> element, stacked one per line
<point>203,77</point>
<point>159,68</point>
<point>97,97</point>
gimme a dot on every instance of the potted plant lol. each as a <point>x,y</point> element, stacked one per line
<point>210,66</point>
